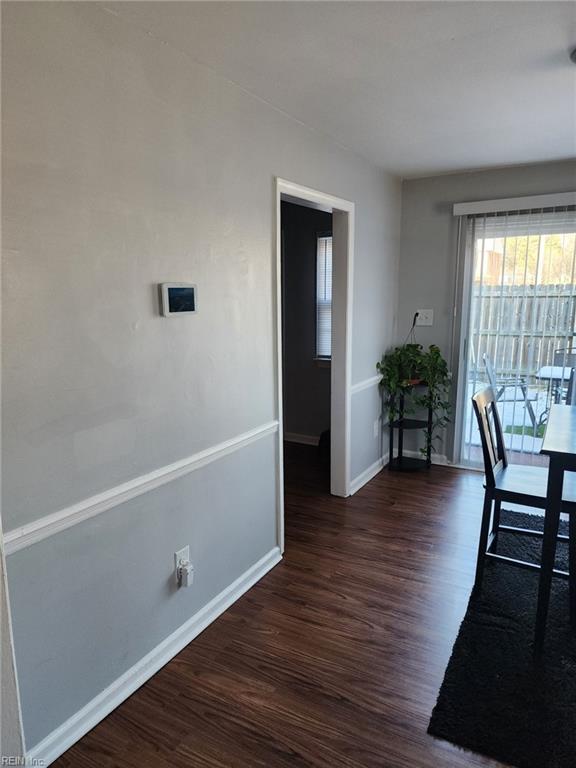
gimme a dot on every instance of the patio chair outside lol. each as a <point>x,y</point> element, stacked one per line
<point>566,358</point>
<point>502,384</point>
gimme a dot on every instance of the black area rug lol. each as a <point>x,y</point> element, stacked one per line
<point>494,699</point>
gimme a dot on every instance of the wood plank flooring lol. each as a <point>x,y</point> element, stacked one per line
<point>335,658</point>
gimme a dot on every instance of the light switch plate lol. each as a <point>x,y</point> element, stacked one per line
<point>425,317</point>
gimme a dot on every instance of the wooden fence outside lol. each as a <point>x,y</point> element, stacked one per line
<point>521,326</point>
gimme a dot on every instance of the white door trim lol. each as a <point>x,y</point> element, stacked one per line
<point>341,368</point>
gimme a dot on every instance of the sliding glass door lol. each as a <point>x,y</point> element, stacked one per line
<point>519,331</point>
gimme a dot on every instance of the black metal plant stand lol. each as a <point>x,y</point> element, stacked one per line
<point>399,462</point>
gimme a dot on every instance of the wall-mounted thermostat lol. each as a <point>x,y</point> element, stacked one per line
<point>178,298</point>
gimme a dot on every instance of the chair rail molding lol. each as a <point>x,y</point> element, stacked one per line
<point>31,533</point>
<point>360,386</point>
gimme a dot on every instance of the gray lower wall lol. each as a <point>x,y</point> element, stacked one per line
<point>429,239</point>
<point>90,602</point>
<point>126,164</point>
<point>366,408</point>
<point>11,738</point>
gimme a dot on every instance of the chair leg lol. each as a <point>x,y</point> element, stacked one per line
<point>483,543</point>
<point>572,568</point>
<point>496,524</point>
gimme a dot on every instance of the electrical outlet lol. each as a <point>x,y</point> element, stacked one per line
<point>425,317</point>
<point>376,427</point>
<point>182,555</point>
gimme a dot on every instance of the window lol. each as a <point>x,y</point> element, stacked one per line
<point>522,317</point>
<point>324,297</point>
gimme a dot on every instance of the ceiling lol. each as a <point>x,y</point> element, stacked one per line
<point>418,88</point>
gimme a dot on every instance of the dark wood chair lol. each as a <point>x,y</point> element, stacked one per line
<point>513,483</point>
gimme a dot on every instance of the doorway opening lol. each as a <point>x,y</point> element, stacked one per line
<point>314,242</point>
<point>306,252</point>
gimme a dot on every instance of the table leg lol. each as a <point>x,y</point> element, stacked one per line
<point>551,523</point>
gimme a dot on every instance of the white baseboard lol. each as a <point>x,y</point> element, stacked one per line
<point>368,474</point>
<point>372,471</point>
<point>293,437</point>
<point>57,742</point>
<point>437,458</point>
<point>456,465</point>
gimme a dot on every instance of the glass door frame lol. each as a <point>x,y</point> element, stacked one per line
<point>463,289</point>
<point>462,308</point>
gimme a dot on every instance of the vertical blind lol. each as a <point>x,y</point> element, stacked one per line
<point>522,312</point>
<point>324,297</point>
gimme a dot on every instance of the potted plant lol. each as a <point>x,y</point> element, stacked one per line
<point>408,365</point>
<point>435,397</point>
<point>400,370</point>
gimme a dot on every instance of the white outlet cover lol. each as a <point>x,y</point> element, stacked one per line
<point>425,317</point>
<point>181,554</point>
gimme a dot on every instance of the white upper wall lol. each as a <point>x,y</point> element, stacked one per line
<point>126,164</point>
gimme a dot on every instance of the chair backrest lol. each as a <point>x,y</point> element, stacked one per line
<point>490,428</point>
<point>564,358</point>
<point>490,371</point>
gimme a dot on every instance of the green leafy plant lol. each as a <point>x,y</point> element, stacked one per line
<point>407,365</point>
<point>436,395</point>
<point>400,370</point>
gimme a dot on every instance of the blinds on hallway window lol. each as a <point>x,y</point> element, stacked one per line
<point>324,297</point>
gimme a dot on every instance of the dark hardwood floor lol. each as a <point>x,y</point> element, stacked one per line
<point>333,659</point>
